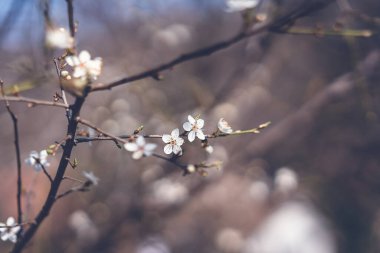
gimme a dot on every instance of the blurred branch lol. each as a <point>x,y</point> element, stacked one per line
<point>18,156</point>
<point>32,102</point>
<point>277,25</point>
<point>299,121</point>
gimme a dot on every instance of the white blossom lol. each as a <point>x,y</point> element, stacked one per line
<point>194,127</point>
<point>59,38</point>
<point>91,178</point>
<point>209,149</point>
<point>241,5</point>
<point>83,66</point>
<point>9,230</point>
<point>173,141</point>
<point>224,127</point>
<point>140,148</point>
<point>37,160</point>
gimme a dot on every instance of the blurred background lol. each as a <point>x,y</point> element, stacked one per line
<point>308,183</point>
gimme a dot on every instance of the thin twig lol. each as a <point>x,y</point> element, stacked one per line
<point>275,26</point>
<point>18,156</point>
<point>72,190</point>
<point>32,101</point>
<point>89,124</point>
<point>46,173</point>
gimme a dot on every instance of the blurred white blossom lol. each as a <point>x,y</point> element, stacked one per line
<point>9,230</point>
<point>153,245</point>
<point>37,160</point>
<point>58,38</point>
<point>165,191</point>
<point>84,227</point>
<point>286,180</point>
<point>295,227</point>
<point>241,5</point>
<point>84,66</point>
<point>140,148</point>
<point>224,127</point>
<point>194,127</point>
<point>209,149</point>
<point>173,141</point>
<point>229,240</point>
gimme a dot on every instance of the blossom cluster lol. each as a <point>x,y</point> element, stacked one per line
<point>193,129</point>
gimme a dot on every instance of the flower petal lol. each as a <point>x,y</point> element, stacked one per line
<point>179,141</point>
<point>84,56</point>
<point>200,135</point>
<point>72,60</point>
<point>168,149</point>
<point>131,146</point>
<point>175,133</point>
<point>191,119</point>
<point>148,149</point>
<point>191,136</point>
<point>137,155</point>
<point>166,138</point>
<point>140,141</point>
<point>187,126</point>
<point>11,221</point>
<point>176,149</point>
<point>200,123</point>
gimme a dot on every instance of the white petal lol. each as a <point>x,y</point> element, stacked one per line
<point>11,221</point>
<point>13,238</point>
<point>140,141</point>
<point>131,146</point>
<point>14,230</point>
<point>179,141</point>
<point>37,167</point>
<point>175,133</point>
<point>177,149</point>
<point>191,136</point>
<point>5,236</point>
<point>43,155</point>
<point>200,123</point>
<point>137,155</point>
<point>187,126</point>
<point>200,135</point>
<point>72,60</point>
<point>166,138</point>
<point>168,149</point>
<point>84,56</point>
<point>79,72</point>
<point>191,119</point>
<point>149,148</point>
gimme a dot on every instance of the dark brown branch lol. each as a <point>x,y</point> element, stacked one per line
<point>32,101</point>
<point>275,26</point>
<point>70,14</point>
<point>18,157</point>
<point>46,173</point>
<point>64,161</point>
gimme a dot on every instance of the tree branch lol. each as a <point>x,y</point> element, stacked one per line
<point>33,102</point>
<point>18,157</point>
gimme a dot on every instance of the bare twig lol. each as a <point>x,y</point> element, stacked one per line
<point>46,173</point>
<point>32,102</point>
<point>275,26</point>
<point>110,136</point>
<point>18,156</point>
